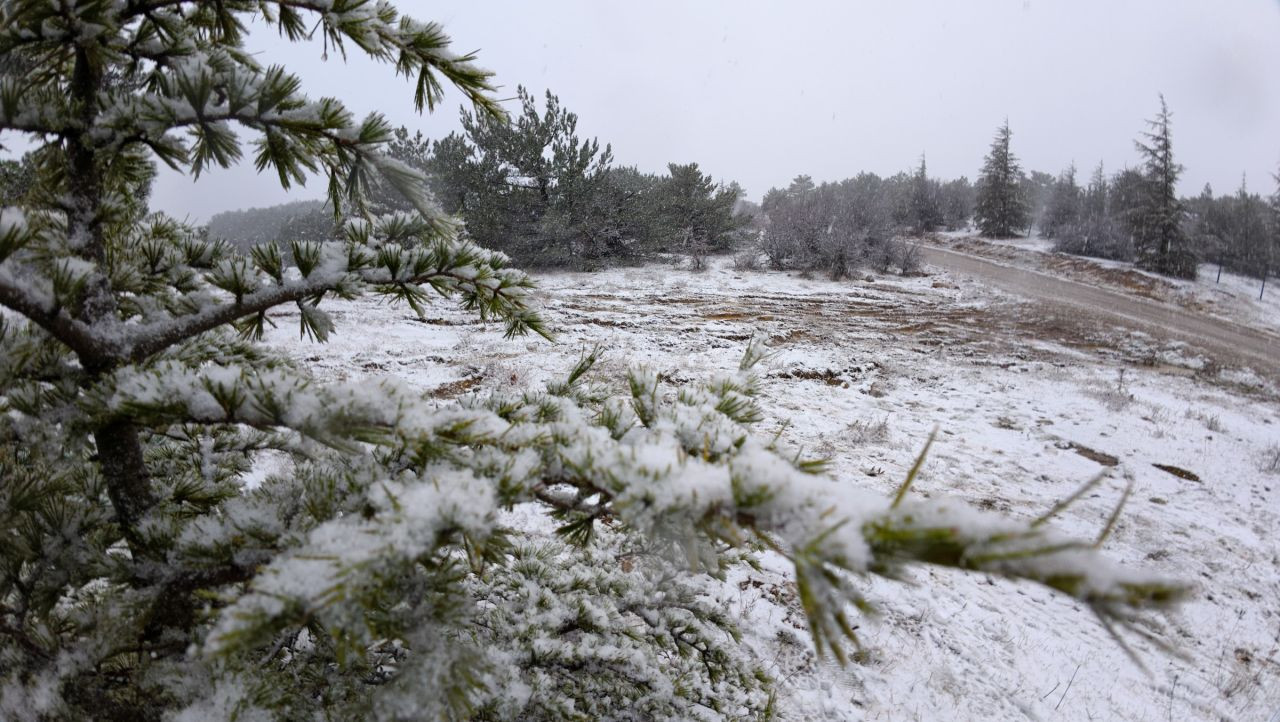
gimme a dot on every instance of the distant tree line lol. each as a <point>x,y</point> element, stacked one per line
<point>293,221</point>
<point>1132,215</point>
<point>535,189</point>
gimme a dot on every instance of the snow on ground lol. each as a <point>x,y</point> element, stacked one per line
<point>1239,297</point>
<point>1232,297</point>
<point>1029,405</point>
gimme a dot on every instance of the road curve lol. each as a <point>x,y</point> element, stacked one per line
<point>1224,339</point>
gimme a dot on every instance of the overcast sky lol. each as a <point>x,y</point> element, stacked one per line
<point>759,92</point>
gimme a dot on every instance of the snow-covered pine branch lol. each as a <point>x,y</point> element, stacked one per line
<point>401,256</point>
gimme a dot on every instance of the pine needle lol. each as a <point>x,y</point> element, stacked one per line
<point>1068,501</point>
<point>915,469</point>
<point>1115,516</point>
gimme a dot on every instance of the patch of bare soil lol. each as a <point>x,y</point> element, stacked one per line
<point>457,388</point>
<point>446,321</point>
<point>1178,472</point>
<point>1093,454</point>
<point>727,316</point>
<point>829,377</point>
<point>794,335</point>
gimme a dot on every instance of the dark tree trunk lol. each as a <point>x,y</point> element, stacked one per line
<point>120,453</point>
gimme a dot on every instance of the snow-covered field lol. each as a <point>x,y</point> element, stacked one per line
<point>1029,406</point>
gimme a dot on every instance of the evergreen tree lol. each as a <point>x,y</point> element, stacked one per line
<point>627,221</point>
<point>1128,188</point>
<point>1250,233</point>
<point>1157,220</point>
<point>1062,215</point>
<point>527,187</point>
<point>139,580</point>
<point>1001,208</point>
<point>1234,230</point>
<point>1207,225</point>
<point>693,214</point>
<point>926,212</point>
<point>16,179</point>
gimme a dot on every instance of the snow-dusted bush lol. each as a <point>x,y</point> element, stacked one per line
<point>374,575</point>
<point>833,228</point>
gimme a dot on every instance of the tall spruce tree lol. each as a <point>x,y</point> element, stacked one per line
<point>1000,209</point>
<point>1160,240</point>
<point>373,578</point>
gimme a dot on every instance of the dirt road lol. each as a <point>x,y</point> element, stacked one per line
<point>1227,341</point>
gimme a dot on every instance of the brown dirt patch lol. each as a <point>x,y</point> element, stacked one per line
<point>1178,472</point>
<point>1093,454</point>
<point>456,388</point>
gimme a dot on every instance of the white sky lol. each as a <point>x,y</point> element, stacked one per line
<point>759,92</point>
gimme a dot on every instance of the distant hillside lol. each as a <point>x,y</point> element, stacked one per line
<point>297,220</point>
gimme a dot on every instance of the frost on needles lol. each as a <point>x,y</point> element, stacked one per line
<point>139,579</point>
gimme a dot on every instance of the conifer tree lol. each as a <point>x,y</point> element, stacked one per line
<point>692,214</point>
<point>926,211</point>
<point>1249,233</point>
<point>373,578</point>
<point>527,187</point>
<point>1000,209</point>
<point>1157,221</point>
<point>16,178</point>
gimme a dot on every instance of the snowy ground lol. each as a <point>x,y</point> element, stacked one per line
<point>1231,296</point>
<point>1029,405</point>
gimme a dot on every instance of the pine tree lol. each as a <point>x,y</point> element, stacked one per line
<point>1248,234</point>
<point>373,578</point>
<point>1157,222</point>
<point>1001,209</point>
<point>528,187</point>
<point>926,212</point>
<point>693,214</point>
<point>16,178</point>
